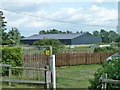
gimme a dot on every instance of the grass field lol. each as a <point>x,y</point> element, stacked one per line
<point>67,77</point>
<point>77,50</point>
<point>75,76</point>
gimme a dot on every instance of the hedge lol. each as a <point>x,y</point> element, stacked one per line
<point>13,56</point>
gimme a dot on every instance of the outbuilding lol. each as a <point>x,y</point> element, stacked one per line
<point>68,39</point>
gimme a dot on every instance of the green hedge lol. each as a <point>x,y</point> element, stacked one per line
<point>106,49</point>
<point>13,56</point>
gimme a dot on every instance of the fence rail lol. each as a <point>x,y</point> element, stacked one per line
<point>47,75</point>
<point>104,81</point>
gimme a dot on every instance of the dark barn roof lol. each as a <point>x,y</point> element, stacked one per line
<point>52,36</point>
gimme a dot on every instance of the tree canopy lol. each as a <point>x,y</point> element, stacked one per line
<point>3,34</point>
<point>107,36</point>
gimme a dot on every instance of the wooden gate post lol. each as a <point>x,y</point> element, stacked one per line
<point>104,85</point>
<point>10,72</point>
<point>47,77</point>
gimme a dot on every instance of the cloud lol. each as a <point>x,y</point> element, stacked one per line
<point>100,1</point>
<point>92,15</point>
<point>19,22</point>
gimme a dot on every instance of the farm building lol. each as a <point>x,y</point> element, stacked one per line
<point>68,39</point>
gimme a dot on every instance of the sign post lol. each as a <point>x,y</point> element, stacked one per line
<point>54,72</point>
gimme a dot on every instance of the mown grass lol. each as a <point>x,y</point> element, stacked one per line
<point>66,77</point>
<point>75,76</point>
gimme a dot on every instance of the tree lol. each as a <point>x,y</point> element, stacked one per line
<point>113,36</point>
<point>3,34</point>
<point>22,37</point>
<point>42,32</point>
<point>47,42</point>
<point>68,31</point>
<point>96,33</point>
<point>77,31</point>
<point>54,31</point>
<point>104,35</point>
<point>14,35</point>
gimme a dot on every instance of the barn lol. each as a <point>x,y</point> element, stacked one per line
<point>68,39</point>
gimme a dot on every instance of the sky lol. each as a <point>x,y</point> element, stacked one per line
<point>30,17</point>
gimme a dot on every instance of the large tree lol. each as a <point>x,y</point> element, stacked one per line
<point>3,34</point>
<point>14,35</point>
<point>113,36</point>
<point>104,35</point>
<point>96,33</point>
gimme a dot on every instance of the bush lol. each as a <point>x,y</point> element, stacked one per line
<point>13,56</point>
<point>106,49</point>
<point>112,68</point>
<point>47,42</point>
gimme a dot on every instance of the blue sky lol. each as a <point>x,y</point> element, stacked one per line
<point>85,16</point>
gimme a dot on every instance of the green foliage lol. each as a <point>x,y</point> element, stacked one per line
<point>47,42</point>
<point>14,35</point>
<point>53,31</point>
<point>107,37</point>
<point>13,56</point>
<point>112,68</point>
<point>8,41</point>
<point>3,34</point>
<point>106,49</point>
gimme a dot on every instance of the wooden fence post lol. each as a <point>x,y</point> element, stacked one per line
<point>104,85</point>
<point>100,58</point>
<point>10,72</point>
<point>86,59</point>
<point>47,77</point>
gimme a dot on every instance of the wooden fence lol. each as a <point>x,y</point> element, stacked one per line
<point>63,59</point>
<point>80,58</point>
<point>46,70</point>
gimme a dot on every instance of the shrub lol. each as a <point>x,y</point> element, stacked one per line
<point>47,42</point>
<point>13,56</point>
<point>106,49</point>
<point>112,68</point>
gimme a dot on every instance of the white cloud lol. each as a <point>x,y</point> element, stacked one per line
<point>100,1</point>
<point>18,22</point>
<point>94,15</point>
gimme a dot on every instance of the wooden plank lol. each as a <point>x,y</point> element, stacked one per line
<point>29,68</point>
<point>22,81</point>
<point>5,65</point>
<point>111,81</point>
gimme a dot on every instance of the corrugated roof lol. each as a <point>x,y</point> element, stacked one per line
<point>53,36</point>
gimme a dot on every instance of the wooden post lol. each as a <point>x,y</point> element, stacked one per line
<point>104,85</point>
<point>86,59</point>
<point>100,58</point>
<point>47,77</point>
<point>10,72</point>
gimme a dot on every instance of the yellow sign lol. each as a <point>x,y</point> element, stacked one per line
<point>47,52</point>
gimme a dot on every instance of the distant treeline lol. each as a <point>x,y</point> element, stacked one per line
<point>54,31</point>
<point>107,36</point>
